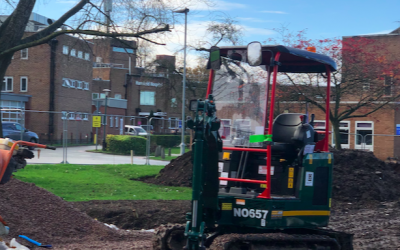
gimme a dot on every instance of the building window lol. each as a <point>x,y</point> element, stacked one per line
<point>87,56</point>
<point>102,95</point>
<point>73,52</point>
<point>95,96</point>
<point>344,128</point>
<point>116,122</point>
<point>7,84</point>
<point>24,54</point>
<point>80,54</point>
<point>174,103</point>
<point>79,84</point>
<point>64,115</point>
<point>99,59</point>
<point>24,84</point>
<point>85,117</point>
<point>10,115</point>
<point>363,137</point>
<point>65,50</point>
<point>117,96</point>
<point>147,98</point>
<point>111,121</point>
<point>388,86</point>
<point>85,85</point>
<point>173,122</point>
<point>366,86</point>
<point>71,116</point>
<point>78,116</point>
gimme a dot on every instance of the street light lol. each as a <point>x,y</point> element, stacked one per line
<point>185,11</point>
<point>105,119</point>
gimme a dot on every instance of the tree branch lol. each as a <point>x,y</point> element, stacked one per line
<point>57,24</point>
<point>86,32</point>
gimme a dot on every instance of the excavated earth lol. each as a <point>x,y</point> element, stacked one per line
<point>366,203</point>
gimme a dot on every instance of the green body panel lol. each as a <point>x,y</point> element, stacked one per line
<point>310,208</point>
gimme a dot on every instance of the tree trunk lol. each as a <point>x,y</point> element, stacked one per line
<point>336,134</point>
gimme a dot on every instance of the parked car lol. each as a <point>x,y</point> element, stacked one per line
<point>12,130</point>
<point>148,128</point>
<point>135,130</point>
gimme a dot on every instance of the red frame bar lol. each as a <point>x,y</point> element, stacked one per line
<point>210,82</point>
<point>242,180</point>
<point>246,149</point>
<point>327,108</point>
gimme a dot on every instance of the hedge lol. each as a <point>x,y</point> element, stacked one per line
<point>123,144</point>
<point>168,141</point>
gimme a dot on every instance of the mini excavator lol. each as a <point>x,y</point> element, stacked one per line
<point>260,180</point>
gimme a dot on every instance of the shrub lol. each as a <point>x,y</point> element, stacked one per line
<point>123,144</point>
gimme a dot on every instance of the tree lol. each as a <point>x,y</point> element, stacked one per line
<point>364,83</point>
<point>130,19</point>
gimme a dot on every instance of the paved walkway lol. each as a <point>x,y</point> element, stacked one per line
<point>78,155</point>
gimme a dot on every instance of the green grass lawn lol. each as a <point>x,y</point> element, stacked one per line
<point>100,182</point>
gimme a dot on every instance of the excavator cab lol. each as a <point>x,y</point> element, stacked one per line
<point>261,180</point>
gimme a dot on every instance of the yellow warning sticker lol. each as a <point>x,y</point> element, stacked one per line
<point>240,202</point>
<point>310,159</point>
<point>330,202</point>
<point>263,185</point>
<point>226,156</point>
<point>329,158</point>
<point>290,183</point>
<point>291,172</point>
<point>226,206</point>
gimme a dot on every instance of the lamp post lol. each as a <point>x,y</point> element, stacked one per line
<point>105,119</point>
<point>185,11</point>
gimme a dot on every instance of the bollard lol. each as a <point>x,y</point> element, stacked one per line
<point>169,152</point>
<point>158,151</point>
<point>162,153</point>
<point>132,153</point>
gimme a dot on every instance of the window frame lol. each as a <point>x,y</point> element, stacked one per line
<point>79,85</point>
<point>71,116</point>
<point>388,84</point>
<point>87,56</point>
<point>80,54</point>
<point>22,54</point>
<point>20,84</point>
<point>65,49</point>
<point>73,52</point>
<point>365,146</point>
<point>117,96</point>
<point>98,95</point>
<point>348,135</point>
<point>85,116</point>
<point>143,103</point>
<point>111,121</point>
<point>5,80</point>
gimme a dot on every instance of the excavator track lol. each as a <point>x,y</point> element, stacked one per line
<point>169,237</point>
<point>274,241</point>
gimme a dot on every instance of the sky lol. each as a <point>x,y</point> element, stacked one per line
<point>258,18</point>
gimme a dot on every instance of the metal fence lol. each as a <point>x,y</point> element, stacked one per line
<point>66,129</point>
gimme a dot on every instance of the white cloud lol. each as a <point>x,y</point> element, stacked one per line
<point>273,12</point>
<point>378,33</point>
<point>203,6</point>
<point>258,31</point>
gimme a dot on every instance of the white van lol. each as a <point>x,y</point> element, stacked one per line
<point>135,130</point>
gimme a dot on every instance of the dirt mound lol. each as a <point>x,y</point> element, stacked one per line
<point>177,173</point>
<point>357,176</point>
<point>32,211</point>
<point>136,214</point>
<point>360,176</point>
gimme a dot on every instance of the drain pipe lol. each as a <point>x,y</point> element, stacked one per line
<point>53,47</point>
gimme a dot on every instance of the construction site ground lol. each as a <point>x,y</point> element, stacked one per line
<point>366,203</point>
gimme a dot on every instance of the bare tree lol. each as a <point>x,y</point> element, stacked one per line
<point>364,83</point>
